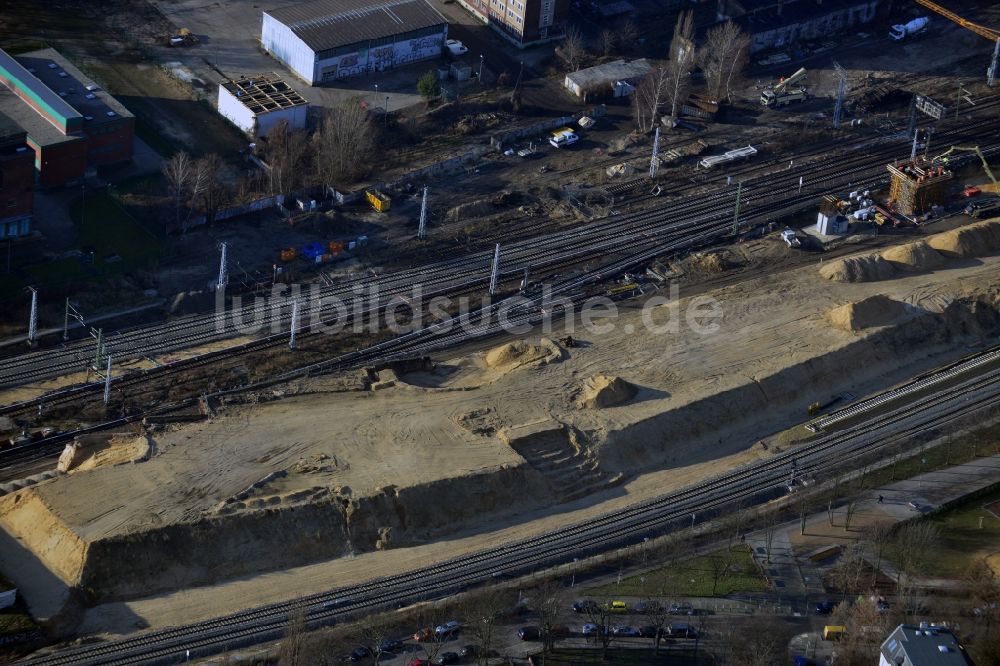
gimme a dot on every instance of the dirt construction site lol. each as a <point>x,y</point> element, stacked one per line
<point>331,480</point>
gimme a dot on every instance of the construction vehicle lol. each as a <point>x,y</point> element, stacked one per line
<point>993,186</point>
<point>790,237</point>
<point>982,31</point>
<point>781,94</point>
<point>902,31</point>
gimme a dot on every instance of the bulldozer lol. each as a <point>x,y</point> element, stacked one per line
<point>782,94</point>
<point>992,186</point>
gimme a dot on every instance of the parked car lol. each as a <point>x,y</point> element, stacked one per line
<point>586,606</point>
<point>416,661</point>
<point>528,633</point>
<point>423,635</point>
<point>360,653</point>
<point>446,658</point>
<point>390,645</point>
<point>456,48</point>
<point>624,630</point>
<point>825,607</point>
<point>449,628</point>
<point>469,651</point>
<point>589,629</point>
<point>616,607</point>
<point>646,607</point>
<point>681,609</point>
<point>648,631</point>
<point>682,630</point>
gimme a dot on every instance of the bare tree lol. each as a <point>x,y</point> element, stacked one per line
<point>607,40</point>
<point>294,641</point>
<point>648,97</point>
<point>721,565</point>
<point>628,34</point>
<point>549,601</point>
<point>770,528</point>
<point>911,547</point>
<point>852,506</point>
<point>761,643</point>
<point>723,57</point>
<point>876,538</point>
<point>483,613</point>
<point>179,171</point>
<point>678,81</point>
<point>208,190</point>
<point>343,144</point>
<point>573,49</point>
<point>286,153</point>
<point>681,43</point>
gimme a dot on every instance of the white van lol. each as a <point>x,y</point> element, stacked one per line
<point>563,136</point>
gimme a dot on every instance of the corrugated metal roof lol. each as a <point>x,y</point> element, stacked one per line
<point>327,24</point>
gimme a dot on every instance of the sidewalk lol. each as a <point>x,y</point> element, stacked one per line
<point>799,577</point>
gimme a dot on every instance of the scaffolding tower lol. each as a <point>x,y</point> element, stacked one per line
<point>917,185</point>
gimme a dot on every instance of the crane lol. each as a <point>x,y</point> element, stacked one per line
<point>982,31</point>
<point>779,95</point>
<point>995,187</point>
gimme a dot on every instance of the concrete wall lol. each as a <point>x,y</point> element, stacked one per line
<point>380,58</point>
<point>296,117</point>
<point>279,40</point>
<point>234,111</point>
<point>838,19</point>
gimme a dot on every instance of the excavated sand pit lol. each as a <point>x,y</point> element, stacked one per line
<point>917,256</point>
<point>467,448</point>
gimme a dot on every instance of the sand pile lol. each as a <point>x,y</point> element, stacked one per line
<point>521,352</point>
<point>715,262</point>
<point>871,312</point>
<point>867,268</point>
<point>95,451</point>
<point>605,391</point>
<point>917,256</point>
<point>973,240</point>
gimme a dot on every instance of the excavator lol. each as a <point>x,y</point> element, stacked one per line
<point>781,94</point>
<point>993,187</point>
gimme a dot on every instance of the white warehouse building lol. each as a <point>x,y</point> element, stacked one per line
<point>326,40</point>
<point>258,103</point>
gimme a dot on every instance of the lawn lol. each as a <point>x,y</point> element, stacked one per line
<point>104,225</point>
<point>694,577</point>
<point>963,542</point>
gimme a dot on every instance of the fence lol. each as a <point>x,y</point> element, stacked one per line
<point>233,211</point>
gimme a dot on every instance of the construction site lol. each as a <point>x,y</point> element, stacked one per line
<point>552,323</point>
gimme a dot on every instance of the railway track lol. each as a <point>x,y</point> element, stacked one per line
<point>682,227</point>
<point>753,483</point>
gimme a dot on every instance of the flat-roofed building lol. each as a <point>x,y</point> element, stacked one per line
<point>70,121</point>
<point>17,180</point>
<point>255,104</point>
<point>326,40</point>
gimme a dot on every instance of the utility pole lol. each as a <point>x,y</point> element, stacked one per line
<point>495,273</point>
<point>422,229</point>
<point>295,324</point>
<point>991,73</point>
<point>480,69</point>
<point>99,353</point>
<point>33,317</point>
<point>524,280</point>
<point>841,85</point>
<point>223,271</point>
<point>911,127</point>
<point>654,162</point>
<point>913,150</point>
<point>107,382</point>
<point>736,211</point>
<point>66,321</point>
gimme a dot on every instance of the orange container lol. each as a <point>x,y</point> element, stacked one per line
<point>336,247</point>
<point>288,254</point>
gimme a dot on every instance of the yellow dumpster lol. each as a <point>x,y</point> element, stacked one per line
<point>379,201</point>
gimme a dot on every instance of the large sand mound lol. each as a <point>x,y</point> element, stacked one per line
<point>970,241</point>
<point>917,256</point>
<point>606,391</point>
<point>871,312</point>
<point>94,451</point>
<point>867,268</point>
<point>518,353</point>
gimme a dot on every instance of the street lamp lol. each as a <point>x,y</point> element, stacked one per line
<point>480,69</point>
<point>386,110</point>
